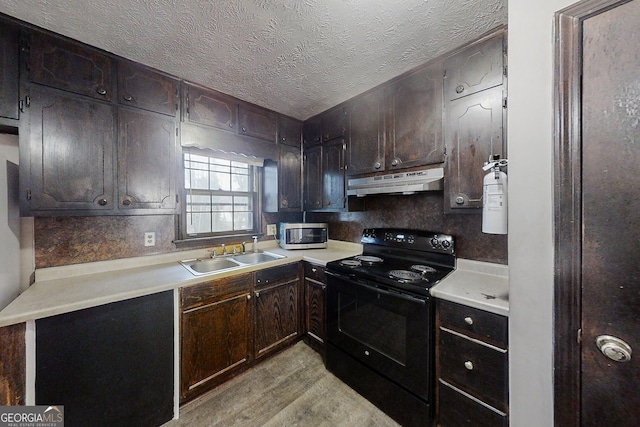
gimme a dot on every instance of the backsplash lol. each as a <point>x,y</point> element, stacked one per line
<point>422,211</point>
<point>74,240</point>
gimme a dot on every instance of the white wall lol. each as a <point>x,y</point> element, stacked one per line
<point>530,149</point>
<point>9,225</point>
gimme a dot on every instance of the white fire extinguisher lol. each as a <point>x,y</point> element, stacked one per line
<point>494,197</point>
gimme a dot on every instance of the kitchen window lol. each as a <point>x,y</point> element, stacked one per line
<point>221,196</point>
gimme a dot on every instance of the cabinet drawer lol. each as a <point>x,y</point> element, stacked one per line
<point>281,274</point>
<point>475,323</point>
<point>458,409</point>
<point>214,290</point>
<point>474,367</point>
<point>314,272</point>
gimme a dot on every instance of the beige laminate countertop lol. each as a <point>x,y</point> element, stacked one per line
<point>477,284</point>
<point>60,290</point>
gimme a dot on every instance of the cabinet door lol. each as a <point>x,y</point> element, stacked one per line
<point>145,88</point>
<point>476,68</point>
<point>313,178</point>
<point>215,342</point>
<point>257,122</point>
<point>474,131</point>
<point>333,179</point>
<point>312,131</point>
<point>334,123</point>
<point>9,70</point>
<point>67,162</point>
<point>289,131</point>
<point>415,131</point>
<point>365,150</point>
<point>147,160</point>
<point>290,179</point>
<point>277,316</point>
<point>211,108</point>
<point>70,66</point>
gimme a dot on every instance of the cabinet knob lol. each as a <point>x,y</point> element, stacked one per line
<point>614,348</point>
<point>100,90</point>
<point>377,165</point>
<point>314,269</point>
<point>468,320</point>
<point>284,138</point>
<point>102,202</point>
<point>248,296</point>
<point>244,129</point>
<point>469,365</point>
<point>459,89</point>
<point>126,202</point>
<point>127,97</point>
<point>230,125</point>
<point>395,162</point>
<point>257,294</point>
<point>459,200</point>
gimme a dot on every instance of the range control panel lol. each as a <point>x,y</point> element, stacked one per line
<point>410,239</point>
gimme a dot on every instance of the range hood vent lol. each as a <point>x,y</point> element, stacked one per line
<point>397,183</point>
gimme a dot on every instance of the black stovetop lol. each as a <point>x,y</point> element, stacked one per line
<point>409,260</point>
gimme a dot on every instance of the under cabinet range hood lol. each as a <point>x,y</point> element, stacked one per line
<point>397,183</point>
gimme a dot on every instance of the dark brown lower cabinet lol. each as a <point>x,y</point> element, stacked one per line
<point>13,366</point>
<point>277,302</point>
<point>315,286</point>
<point>472,367</point>
<point>215,334</point>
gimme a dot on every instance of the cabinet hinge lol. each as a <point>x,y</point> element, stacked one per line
<point>504,70</point>
<point>579,336</point>
<point>28,194</point>
<point>187,103</point>
<point>504,102</point>
<point>444,73</point>
<point>177,132</point>
<point>177,198</point>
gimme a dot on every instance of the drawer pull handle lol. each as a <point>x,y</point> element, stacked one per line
<point>468,320</point>
<point>468,365</point>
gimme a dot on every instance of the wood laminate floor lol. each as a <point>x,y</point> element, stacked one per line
<point>292,388</point>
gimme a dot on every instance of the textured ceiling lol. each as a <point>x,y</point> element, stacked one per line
<point>297,57</point>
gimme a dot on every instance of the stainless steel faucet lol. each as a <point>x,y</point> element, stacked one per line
<point>255,243</point>
<point>244,247</point>
<point>224,250</point>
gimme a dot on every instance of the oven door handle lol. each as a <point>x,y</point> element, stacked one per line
<point>378,290</point>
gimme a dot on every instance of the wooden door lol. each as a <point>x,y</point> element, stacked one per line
<point>474,131</point>
<point>597,222</point>
<point>333,174</point>
<point>334,123</point>
<point>147,160</point>
<point>313,178</point>
<point>610,214</point>
<point>290,179</point>
<point>208,107</point>
<point>366,134</point>
<point>289,131</point>
<point>257,122</point>
<point>277,316</point>
<point>9,70</point>
<point>67,163</point>
<point>142,87</point>
<point>416,119</point>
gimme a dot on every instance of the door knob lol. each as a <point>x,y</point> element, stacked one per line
<point>614,348</point>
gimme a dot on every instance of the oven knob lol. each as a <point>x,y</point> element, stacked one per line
<point>446,244</point>
<point>366,352</point>
<point>469,365</point>
<point>434,242</point>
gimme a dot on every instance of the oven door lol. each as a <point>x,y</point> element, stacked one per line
<point>389,331</point>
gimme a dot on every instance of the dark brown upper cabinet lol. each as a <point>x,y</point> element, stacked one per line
<point>148,155</point>
<point>313,192</point>
<point>334,123</point>
<point>9,70</point>
<point>333,176</point>
<point>474,130</point>
<point>209,107</point>
<point>289,131</point>
<point>70,66</point>
<point>145,88</point>
<point>312,131</point>
<point>476,68</point>
<point>366,147</point>
<point>257,122</point>
<point>415,122</point>
<point>66,156</point>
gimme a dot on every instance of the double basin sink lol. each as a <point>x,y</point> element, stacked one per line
<point>201,266</point>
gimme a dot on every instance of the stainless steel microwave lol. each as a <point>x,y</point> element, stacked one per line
<point>304,235</point>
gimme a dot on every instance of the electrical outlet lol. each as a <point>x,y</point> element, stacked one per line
<point>271,229</point>
<point>150,238</point>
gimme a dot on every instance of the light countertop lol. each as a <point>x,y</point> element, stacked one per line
<point>477,284</point>
<point>60,290</point>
